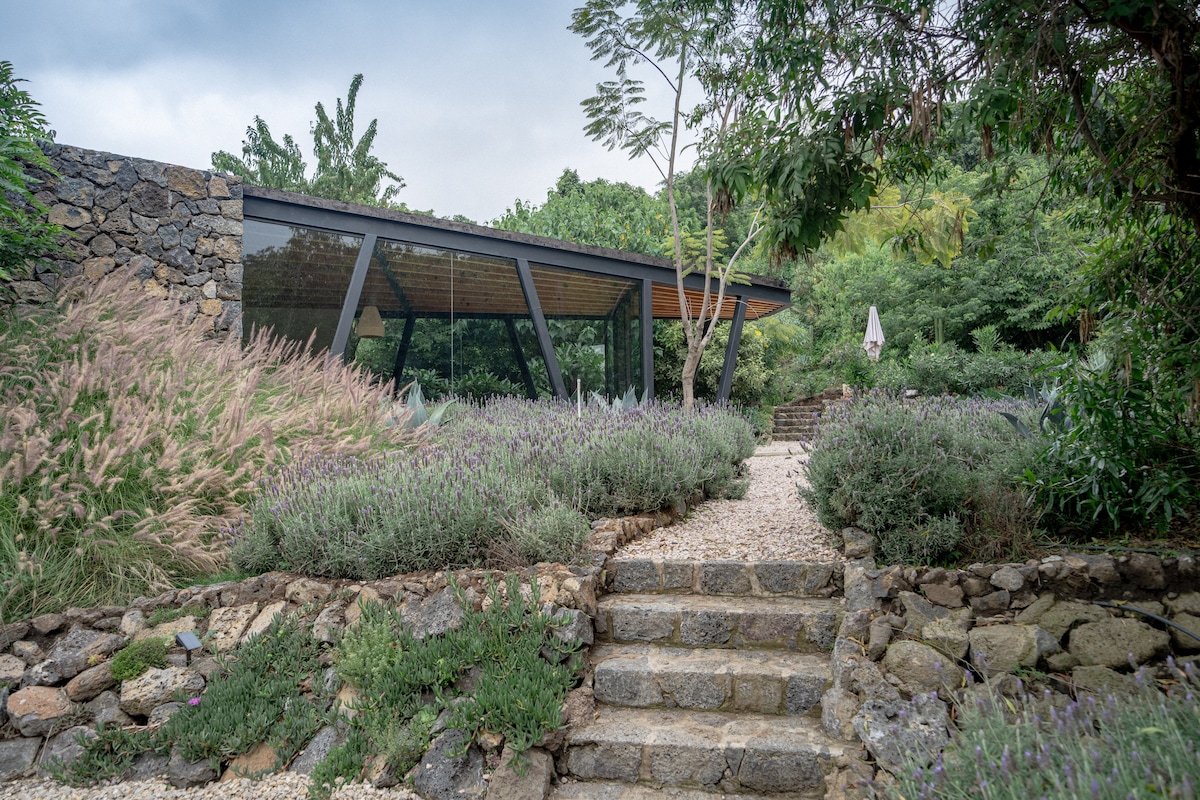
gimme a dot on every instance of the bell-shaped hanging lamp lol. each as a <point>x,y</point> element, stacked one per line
<point>370,324</point>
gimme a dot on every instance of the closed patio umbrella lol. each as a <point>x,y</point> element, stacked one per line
<point>873,339</point>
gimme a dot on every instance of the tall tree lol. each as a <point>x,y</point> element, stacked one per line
<point>678,46</point>
<point>346,169</point>
<point>24,232</point>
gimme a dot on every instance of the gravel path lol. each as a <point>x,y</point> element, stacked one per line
<point>770,523</point>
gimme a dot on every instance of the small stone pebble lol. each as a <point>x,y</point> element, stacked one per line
<point>281,786</point>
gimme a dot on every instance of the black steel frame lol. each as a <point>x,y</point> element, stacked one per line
<point>372,224</point>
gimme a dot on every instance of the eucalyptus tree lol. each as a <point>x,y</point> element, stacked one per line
<point>346,169</point>
<point>679,48</point>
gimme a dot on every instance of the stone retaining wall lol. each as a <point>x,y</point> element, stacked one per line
<point>916,641</point>
<point>56,677</point>
<point>179,230</point>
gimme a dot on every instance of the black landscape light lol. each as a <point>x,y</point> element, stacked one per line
<point>189,642</point>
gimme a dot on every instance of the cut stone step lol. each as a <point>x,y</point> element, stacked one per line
<point>759,681</point>
<point>606,790</point>
<point>802,624</point>
<point>738,578</point>
<point>708,750</point>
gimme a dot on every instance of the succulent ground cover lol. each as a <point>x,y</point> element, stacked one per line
<point>502,671</point>
<point>128,441</point>
<point>510,482</point>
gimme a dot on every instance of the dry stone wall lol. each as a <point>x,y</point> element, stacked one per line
<point>916,641</point>
<point>178,230</point>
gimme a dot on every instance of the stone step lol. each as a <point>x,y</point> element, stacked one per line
<point>790,437</point>
<point>709,750</point>
<point>759,681</point>
<point>798,412</point>
<point>738,578</point>
<point>607,790</point>
<point>805,625</point>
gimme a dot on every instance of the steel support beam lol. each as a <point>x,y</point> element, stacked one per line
<point>522,364</point>
<point>731,351</point>
<point>542,330</point>
<point>646,317</point>
<point>402,354</point>
<point>350,304</point>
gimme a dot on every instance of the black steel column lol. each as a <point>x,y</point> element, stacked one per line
<point>646,318</point>
<point>539,326</point>
<point>402,354</point>
<point>735,339</point>
<point>350,304</point>
<point>522,364</point>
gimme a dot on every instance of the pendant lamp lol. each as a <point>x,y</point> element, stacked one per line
<point>370,324</point>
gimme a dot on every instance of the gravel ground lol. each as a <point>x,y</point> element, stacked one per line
<point>770,523</point>
<point>283,786</point>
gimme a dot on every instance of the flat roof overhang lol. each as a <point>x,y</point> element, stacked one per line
<point>759,298</point>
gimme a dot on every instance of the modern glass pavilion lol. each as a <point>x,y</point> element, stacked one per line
<point>458,305</point>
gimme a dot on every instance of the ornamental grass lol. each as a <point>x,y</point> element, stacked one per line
<point>129,441</point>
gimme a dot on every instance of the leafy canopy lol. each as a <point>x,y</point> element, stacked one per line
<point>346,169</point>
<point>24,233</point>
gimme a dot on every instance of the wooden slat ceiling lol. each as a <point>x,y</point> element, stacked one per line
<point>432,281</point>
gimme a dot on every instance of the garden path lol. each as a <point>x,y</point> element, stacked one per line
<point>771,523</point>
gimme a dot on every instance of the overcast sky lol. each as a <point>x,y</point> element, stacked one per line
<point>477,101</point>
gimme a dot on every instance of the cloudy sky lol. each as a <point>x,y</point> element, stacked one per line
<point>477,100</point>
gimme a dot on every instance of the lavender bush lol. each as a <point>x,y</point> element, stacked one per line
<point>925,477</point>
<point>511,481</point>
<point>1146,744</point>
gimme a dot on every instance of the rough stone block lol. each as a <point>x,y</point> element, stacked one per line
<point>642,623</point>
<point>34,709</point>
<point>780,577</point>
<point>678,574</point>
<point>508,784</point>
<point>226,626</point>
<point>705,628</point>
<point>724,578</point>
<point>1113,642</point>
<point>636,575</point>
<point>16,757</point>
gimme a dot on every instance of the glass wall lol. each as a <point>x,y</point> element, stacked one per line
<point>594,322</point>
<point>455,322</point>
<point>295,279</point>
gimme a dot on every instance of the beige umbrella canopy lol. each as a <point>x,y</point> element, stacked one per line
<point>873,339</point>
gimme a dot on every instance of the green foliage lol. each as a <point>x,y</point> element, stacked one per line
<point>257,698</point>
<point>344,763</point>
<point>1112,748</point>
<point>24,235</point>
<point>129,441</point>
<point>597,213</point>
<point>511,478</point>
<point>918,475</point>
<point>346,169</point>
<point>520,674</point>
<point>1126,456</point>
<point>110,755</point>
<point>138,657</point>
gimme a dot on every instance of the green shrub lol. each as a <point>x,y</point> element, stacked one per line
<point>517,479</point>
<point>934,369</point>
<point>1126,453</point>
<point>139,657</point>
<point>129,440</point>
<point>916,475</point>
<point>1143,745</point>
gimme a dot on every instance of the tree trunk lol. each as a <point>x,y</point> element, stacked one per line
<point>691,365</point>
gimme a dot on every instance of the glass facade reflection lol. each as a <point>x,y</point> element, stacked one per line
<point>295,280</point>
<point>465,309</point>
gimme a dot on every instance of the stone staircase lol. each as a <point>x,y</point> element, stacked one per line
<point>796,420</point>
<point>708,678</point>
